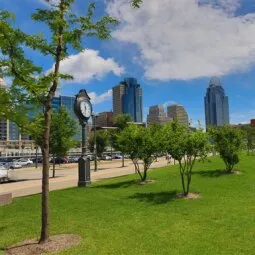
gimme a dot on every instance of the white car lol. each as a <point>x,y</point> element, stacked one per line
<point>106,157</point>
<point>24,161</point>
<point>14,165</point>
<point>3,173</point>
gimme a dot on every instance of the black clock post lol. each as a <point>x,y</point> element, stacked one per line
<point>83,110</point>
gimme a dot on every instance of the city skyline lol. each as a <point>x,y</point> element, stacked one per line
<point>176,71</point>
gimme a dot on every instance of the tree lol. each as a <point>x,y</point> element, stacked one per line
<point>157,129</point>
<point>101,142</point>
<point>66,32</point>
<point>121,122</point>
<point>228,142</point>
<point>249,137</point>
<point>139,143</point>
<point>63,128</point>
<point>185,146</point>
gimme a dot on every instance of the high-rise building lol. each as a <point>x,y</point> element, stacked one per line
<point>104,119</point>
<point>127,99</point>
<point>67,102</point>
<point>216,104</point>
<point>3,122</point>
<point>157,115</point>
<point>178,113</point>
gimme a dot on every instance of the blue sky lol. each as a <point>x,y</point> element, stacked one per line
<point>172,48</point>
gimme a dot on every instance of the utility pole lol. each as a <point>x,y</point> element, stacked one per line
<point>95,141</point>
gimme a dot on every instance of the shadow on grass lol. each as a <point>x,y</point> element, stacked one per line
<point>155,198</point>
<point>3,228</point>
<point>211,173</point>
<point>117,185</point>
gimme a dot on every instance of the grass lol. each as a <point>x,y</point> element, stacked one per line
<point>118,216</point>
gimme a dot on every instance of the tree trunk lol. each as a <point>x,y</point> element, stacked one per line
<point>46,134</point>
<point>45,178</point>
<point>182,178</point>
<point>54,166</point>
<point>137,170</point>
<point>123,160</point>
<point>144,174</point>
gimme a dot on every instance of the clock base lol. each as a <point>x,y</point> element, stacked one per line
<point>84,172</point>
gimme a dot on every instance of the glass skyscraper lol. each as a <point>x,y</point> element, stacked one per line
<point>67,102</point>
<point>127,99</point>
<point>216,104</point>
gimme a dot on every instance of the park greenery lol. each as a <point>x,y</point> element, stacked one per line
<point>185,146</point>
<point>249,138</point>
<point>63,128</point>
<point>228,142</point>
<point>140,144</point>
<point>102,141</point>
<point>125,218</point>
<point>120,122</point>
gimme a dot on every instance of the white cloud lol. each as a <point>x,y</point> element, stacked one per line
<point>169,102</point>
<point>54,2</point>
<point>242,117</point>
<point>187,39</point>
<point>97,99</point>
<point>88,65</point>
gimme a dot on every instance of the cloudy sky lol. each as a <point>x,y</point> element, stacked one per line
<point>172,47</point>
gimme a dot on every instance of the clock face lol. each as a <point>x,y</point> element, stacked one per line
<point>85,109</point>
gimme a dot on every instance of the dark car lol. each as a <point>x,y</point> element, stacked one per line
<point>60,160</point>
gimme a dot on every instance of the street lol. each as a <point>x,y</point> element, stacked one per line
<point>27,181</point>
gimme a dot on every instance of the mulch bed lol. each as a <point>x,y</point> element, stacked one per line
<point>235,172</point>
<point>189,196</point>
<point>56,243</point>
<point>146,182</point>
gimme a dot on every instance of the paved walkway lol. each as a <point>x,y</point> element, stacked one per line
<point>67,179</point>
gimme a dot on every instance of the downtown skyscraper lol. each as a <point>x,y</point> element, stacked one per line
<point>127,99</point>
<point>216,104</point>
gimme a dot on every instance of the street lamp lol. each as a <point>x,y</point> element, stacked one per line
<point>95,140</point>
<point>83,111</point>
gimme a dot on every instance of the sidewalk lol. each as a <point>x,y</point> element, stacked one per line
<point>30,187</point>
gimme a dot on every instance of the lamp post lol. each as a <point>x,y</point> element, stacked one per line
<point>95,141</point>
<point>83,110</point>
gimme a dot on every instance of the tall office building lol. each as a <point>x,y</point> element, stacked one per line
<point>3,122</point>
<point>127,99</point>
<point>157,115</point>
<point>216,104</point>
<point>178,113</point>
<point>67,102</point>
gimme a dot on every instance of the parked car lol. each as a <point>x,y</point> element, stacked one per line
<point>60,160</point>
<point>73,159</point>
<point>106,157</point>
<point>25,161</point>
<point>3,173</point>
<point>5,161</point>
<point>14,165</point>
<point>91,157</point>
<point>117,156</point>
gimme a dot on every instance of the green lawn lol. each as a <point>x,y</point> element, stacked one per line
<point>120,217</point>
